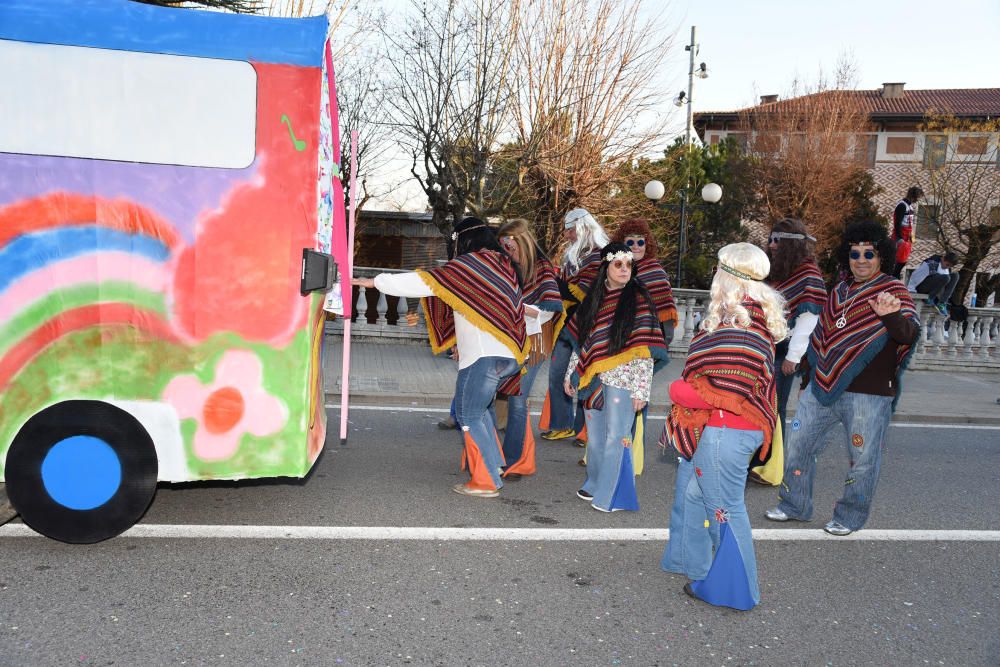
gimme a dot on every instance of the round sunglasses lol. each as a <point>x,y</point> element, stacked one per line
<point>856,254</point>
<point>635,242</point>
<point>620,264</point>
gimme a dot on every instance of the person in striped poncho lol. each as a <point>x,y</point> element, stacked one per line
<point>794,273</point>
<point>724,410</point>
<point>543,308</point>
<point>474,302</point>
<point>617,346</point>
<point>862,344</point>
<point>584,237</point>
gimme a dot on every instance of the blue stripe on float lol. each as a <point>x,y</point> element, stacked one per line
<point>31,252</point>
<point>131,26</point>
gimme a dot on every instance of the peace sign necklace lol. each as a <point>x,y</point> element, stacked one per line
<point>842,320</point>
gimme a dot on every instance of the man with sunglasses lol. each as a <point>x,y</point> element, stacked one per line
<point>857,354</point>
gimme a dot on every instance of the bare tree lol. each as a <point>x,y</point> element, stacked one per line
<point>809,152</point>
<point>450,65</point>
<point>587,105</point>
<point>961,183</point>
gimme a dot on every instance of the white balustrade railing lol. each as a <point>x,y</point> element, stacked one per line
<point>970,346</point>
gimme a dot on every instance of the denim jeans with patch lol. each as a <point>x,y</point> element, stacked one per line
<point>711,488</point>
<point>475,390</point>
<point>866,418</point>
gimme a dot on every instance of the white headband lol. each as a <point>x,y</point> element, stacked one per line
<point>621,254</point>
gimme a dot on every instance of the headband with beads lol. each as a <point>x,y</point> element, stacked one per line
<point>738,274</point>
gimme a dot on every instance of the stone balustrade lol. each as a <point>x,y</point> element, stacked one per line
<point>970,347</point>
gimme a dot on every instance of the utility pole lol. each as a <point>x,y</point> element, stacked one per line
<point>692,48</point>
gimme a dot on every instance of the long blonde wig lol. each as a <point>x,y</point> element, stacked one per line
<point>520,231</point>
<point>747,267</point>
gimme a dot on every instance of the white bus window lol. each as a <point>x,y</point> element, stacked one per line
<point>121,105</point>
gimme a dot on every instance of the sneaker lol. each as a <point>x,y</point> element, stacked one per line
<point>776,514</point>
<point>838,529</point>
<point>579,443</point>
<point>942,309</point>
<point>560,434</point>
<point>447,424</point>
<point>601,509</point>
<point>464,490</point>
<point>583,495</point>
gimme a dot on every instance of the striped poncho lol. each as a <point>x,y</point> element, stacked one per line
<point>645,341</point>
<point>483,287</point>
<point>804,290</point>
<point>651,274</point>
<point>542,290</point>
<point>581,282</point>
<point>731,368</point>
<point>837,356</point>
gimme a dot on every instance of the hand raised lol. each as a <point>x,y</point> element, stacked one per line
<point>884,304</point>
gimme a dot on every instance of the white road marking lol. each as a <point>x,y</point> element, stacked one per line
<point>413,408</point>
<point>434,533</point>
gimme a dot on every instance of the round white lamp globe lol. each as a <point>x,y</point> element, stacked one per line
<point>654,190</point>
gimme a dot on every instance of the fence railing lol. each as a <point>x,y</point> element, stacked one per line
<point>973,345</point>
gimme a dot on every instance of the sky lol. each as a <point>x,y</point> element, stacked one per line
<point>758,47</point>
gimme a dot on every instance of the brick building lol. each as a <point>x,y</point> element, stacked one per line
<point>398,240</point>
<point>899,154</point>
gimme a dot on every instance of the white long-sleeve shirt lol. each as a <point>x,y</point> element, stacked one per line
<point>804,325</point>
<point>473,344</point>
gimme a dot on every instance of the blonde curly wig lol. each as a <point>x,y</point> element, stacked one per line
<point>729,290</point>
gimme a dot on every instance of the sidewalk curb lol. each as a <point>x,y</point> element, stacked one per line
<point>444,401</point>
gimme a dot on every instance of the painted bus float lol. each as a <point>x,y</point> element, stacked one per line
<point>161,173</point>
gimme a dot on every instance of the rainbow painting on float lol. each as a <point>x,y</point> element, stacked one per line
<point>161,172</point>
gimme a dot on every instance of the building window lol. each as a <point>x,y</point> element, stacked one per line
<point>935,150</point>
<point>972,144</point>
<point>927,221</point>
<point>900,145</point>
<point>866,149</point>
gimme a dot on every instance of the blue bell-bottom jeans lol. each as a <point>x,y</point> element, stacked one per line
<point>866,418</point>
<point>711,487</point>
<point>517,418</point>
<point>561,414</point>
<point>607,432</point>
<point>475,391</point>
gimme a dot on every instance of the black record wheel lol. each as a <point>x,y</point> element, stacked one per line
<point>81,471</point>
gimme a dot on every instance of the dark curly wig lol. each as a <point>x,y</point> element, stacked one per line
<point>637,227</point>
<point>873,234</point>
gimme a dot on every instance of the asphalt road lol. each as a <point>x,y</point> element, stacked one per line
<point>195,601</point>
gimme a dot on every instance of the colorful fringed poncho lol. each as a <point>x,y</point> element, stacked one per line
<point>580,282</point>
<point>651,274</point>
<point>542,291</point>
<point>838,355</point>
<point>483,287</point>
<point>731,368</point>
<point>804,290</point>
<point>645,340</point>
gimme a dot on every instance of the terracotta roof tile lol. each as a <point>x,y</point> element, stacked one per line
<point>974,102</point>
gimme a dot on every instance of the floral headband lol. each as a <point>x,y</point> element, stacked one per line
<point>738,274</point>
<point>621,254</point>
<point>454,235</point>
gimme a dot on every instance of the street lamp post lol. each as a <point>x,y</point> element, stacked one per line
<point>711,193</point>
<point>702,73</point>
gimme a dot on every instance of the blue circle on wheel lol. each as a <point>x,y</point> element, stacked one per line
<point>81,472</point>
